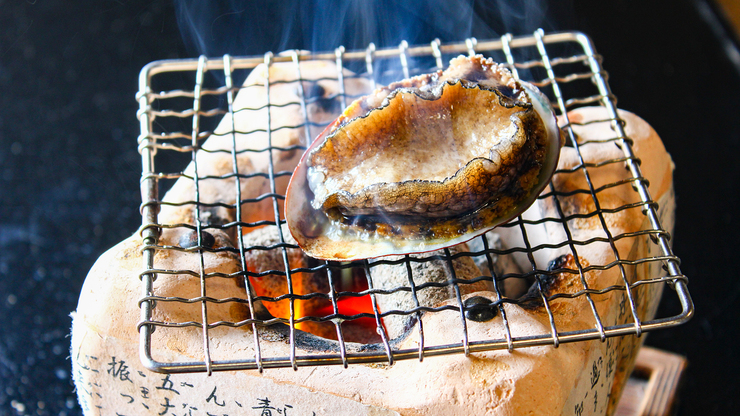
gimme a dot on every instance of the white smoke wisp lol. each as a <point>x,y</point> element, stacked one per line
<point>252,27</point>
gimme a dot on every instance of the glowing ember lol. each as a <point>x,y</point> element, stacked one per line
<point>361,329</point>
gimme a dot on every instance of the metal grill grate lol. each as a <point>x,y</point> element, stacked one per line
<point>175,124</point>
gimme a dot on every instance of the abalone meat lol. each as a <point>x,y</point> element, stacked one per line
<point>424,163</point>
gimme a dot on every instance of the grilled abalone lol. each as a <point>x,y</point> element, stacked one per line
<point>424,163</point>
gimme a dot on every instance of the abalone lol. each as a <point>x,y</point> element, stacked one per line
<point>423,164</point>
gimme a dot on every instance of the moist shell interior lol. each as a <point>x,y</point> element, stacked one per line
<point>438,154</point>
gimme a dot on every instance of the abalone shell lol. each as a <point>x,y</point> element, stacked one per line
<point>423,164</point>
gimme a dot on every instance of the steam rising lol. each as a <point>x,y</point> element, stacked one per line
<point>252,27</point>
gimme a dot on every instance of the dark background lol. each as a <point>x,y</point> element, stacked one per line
<point>69,168</point>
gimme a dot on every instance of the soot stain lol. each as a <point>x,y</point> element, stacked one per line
<point>532,299</point>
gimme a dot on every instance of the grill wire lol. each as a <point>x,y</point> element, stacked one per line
<point>564,66</point>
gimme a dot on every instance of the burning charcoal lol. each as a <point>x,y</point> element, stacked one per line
<point>432,279</point>
<point>479,309</point>
<point>190,239</point>
<point>316,94</point>
<point>546,280</point>
<point>264,256</point>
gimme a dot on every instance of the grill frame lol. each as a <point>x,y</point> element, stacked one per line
<point>150,144</point>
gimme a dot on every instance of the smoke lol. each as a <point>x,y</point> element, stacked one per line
<point>252,27</point>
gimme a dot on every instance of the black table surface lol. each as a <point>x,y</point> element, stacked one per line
<point>69,168</point>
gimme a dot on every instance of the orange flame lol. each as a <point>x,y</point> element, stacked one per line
<point>358,330</point>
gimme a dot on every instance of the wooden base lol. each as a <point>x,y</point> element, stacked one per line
<point>652,388</point>
<point>730,9</point>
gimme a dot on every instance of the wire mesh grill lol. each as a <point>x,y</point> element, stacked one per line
<point>345,304</point>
